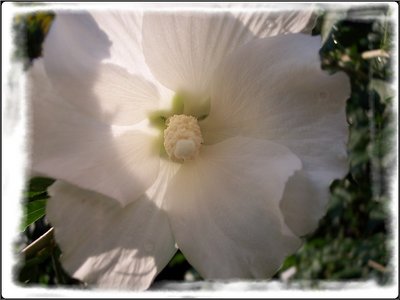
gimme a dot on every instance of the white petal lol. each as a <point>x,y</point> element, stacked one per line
<point>120,162</point>
<point>323,153</point>
<point>183,48</point>
<point>115,97</point>
<point>74,54</point>
<point>265,19</point>
<point>74,43</point>
<point>274,89</point>
<point>305,199</point>
<point>124,29</point>
<point>105,244</point>
<point>224,208</point>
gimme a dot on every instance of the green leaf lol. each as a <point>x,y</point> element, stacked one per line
<point>30,194</point>
<point>38,185</point>
<point>34,211</point>
<point>177,259</point>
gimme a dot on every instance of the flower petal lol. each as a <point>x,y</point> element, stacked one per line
<point>74,43</point>
<point>124,29</point>
<point>120,162</point>
<point>224,208</point>
<point>105,244</point>
<point>183,48</point>
<point>75,51</point>
<point>118,96</point>
<point>305,199</point>
<point>265,19</point>
<point>274,88</point>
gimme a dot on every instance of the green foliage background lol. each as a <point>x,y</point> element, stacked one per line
<point>352,241</point>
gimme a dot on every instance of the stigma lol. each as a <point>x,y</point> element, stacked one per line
<point>182,138</point>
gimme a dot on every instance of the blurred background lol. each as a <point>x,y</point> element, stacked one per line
<point>353,241</point>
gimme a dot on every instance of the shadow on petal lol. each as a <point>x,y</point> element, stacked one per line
<point>120,162</point>
<point>106,244</point>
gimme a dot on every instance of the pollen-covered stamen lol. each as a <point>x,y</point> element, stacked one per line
<point>182,137</point>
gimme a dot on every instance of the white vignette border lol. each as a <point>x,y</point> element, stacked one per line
<point>15,157</point>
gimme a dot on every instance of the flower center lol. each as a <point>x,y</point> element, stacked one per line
<point>182,137</point>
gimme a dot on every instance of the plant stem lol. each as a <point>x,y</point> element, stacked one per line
<point>39,244</point>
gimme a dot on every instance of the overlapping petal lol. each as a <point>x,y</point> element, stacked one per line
<point>274,88</point>
<point>87,67</point>
<point>224,208</point>
<point>75,43</point>
<point>120,162</point>
<point>124,29</point>
<point>105,244</point>
<point>184,48</point>
<point>118,96</point>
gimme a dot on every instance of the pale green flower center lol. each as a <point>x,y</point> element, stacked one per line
<point>182,138</point>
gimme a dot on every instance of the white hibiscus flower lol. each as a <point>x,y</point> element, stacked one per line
<point>232,172</point>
